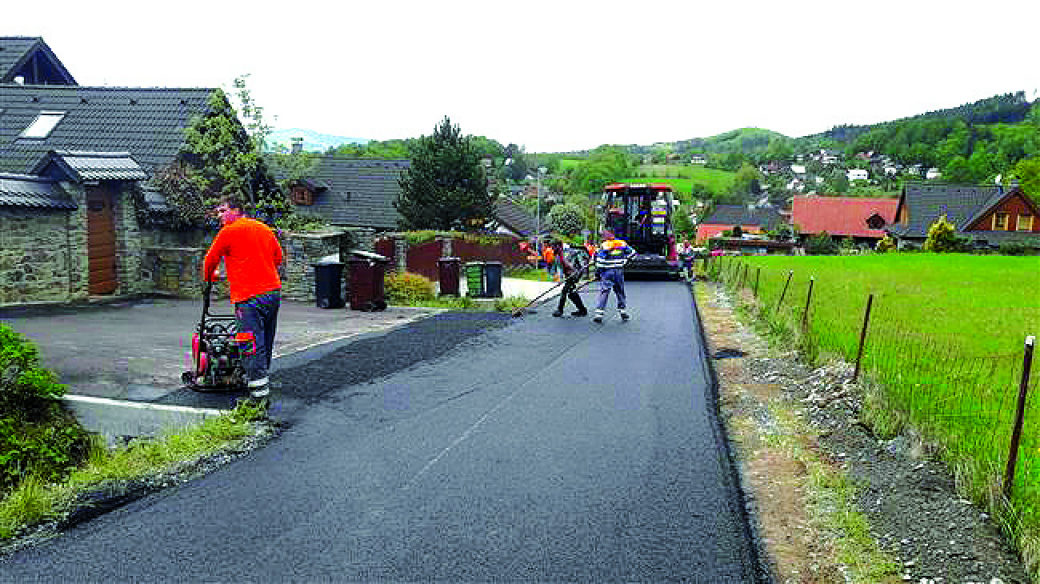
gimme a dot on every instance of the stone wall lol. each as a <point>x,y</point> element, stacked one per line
<point>43,255</point>
<point>301,251</point>
<point>35,264</point>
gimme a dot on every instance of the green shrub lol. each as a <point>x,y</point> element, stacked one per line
<point>24,388</point>
<point>37,436</point>
<point>885,244</point>
<point>1013,248</point>
<point>821,244</point>
<point>406,288</point>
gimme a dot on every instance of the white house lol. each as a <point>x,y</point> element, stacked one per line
<point>856,174</point>
<point>798,169</point>
<point>933,173</point>
<point>698,159</point>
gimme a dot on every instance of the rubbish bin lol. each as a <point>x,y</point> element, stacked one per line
<point>493,279</point>
<point>448,274</point>
<point>475,279</point>
<point>328,283</point>
<point>367,291</point>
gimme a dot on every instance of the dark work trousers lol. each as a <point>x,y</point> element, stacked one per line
<point>259,316</point>
<point>568,292</point>
<point>611,279</point>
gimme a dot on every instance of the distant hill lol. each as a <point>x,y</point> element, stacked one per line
<point>746,140</point>
<point>312,141</point>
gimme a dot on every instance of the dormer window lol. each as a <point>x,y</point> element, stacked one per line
<point>302,196</point>
<point>42,126</point>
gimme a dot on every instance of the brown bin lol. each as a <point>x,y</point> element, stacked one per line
<point>448,273</point>
<point>367,291</point>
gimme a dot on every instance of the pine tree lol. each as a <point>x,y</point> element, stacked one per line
<point>445,187</point>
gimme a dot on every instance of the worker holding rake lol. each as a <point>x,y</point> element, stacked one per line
<point>571,275</point>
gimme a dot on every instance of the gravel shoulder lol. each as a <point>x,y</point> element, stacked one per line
<point>916,516</point>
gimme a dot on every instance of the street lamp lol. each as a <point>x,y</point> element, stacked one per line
<point>538,214</point>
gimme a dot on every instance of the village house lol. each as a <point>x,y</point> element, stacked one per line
<point>856,174</point>
<point>988,215</point>
<point>861,219</point>
<point>76,171</point>
<point>750,218</point>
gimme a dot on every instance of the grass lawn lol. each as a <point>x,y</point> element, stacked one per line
<point>945,344</point>
<point>684,177</point>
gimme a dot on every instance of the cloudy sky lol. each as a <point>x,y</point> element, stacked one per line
<point>556,75</point>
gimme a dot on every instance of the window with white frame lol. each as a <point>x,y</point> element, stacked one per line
<point>1025,223</point>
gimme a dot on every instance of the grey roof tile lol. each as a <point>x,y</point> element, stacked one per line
<point>15,52</point>
<point>32,191</point>
<point>357,192</point>
<point>766,217</point>
<point>513,216</point>
<point>146,122</point>
<point>83,166</point>
<point>927,202</point>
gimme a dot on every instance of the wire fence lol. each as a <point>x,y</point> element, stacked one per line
<point>936,383</point>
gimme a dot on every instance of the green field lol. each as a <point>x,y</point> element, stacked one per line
<point>682,178</point>
<point>945,345</point>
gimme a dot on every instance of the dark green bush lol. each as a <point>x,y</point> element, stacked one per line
<point>1013,248</point>
<point>36,434</point>
<point>821,244</point>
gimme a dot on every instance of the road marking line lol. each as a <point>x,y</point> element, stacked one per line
<point>104,401</point>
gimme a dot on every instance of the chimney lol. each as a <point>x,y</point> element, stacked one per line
<point>297,145</point>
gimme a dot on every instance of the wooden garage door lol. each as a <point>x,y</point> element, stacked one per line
<point>101,241</point>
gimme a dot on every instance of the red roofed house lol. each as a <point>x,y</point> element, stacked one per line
<point>864,220</point>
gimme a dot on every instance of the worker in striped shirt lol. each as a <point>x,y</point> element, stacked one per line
<point>611,258</point>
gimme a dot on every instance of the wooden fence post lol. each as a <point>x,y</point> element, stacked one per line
<point>862,337</point>
<point>1016,434</point>
<point>743,277</point>
<point>784,292</point>
<point>808,299</point>
<point>758,273</point>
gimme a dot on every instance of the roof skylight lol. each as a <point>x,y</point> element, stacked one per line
<point>43,125</point>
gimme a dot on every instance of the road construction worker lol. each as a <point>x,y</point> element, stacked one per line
<point>611,258</point>
<point>572,275</point>
<point>251,255</point>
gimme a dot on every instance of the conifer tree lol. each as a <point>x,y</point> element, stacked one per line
<point>445,187</point>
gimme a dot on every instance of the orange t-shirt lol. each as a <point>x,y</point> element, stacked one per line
<point>251,255</point>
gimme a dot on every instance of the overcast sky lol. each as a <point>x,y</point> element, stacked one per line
<point>556,75</point>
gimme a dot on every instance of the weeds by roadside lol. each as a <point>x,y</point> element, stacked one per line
<point>35,501</point>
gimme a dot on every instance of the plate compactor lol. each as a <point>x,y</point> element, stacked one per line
<point>216,351</point>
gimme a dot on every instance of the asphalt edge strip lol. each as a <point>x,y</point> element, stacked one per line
<point>747,507</point>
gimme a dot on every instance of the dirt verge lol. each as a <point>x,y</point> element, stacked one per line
<point>917,524</point>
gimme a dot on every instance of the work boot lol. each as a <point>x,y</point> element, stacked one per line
<point>558,313</point>
<point>598,318</point>
<point>623,314</point>
<point>580,313</point>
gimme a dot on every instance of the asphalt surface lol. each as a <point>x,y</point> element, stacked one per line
<point>457,448</point>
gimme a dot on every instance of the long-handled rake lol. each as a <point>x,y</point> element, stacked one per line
<point>520,311</point>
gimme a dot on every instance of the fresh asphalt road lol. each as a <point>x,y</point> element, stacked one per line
<point>544,450</point>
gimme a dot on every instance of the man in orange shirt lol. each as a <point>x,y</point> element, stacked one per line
<point>251,255</point>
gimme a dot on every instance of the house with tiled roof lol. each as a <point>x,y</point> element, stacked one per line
<point>29,61</point>
<point>360,193</point>
<point>75,166</point>
<point>750,218</point>
<point>349,192</point>
<point>988,215</point>
<point>513,219</point>
<point>862,219</point>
